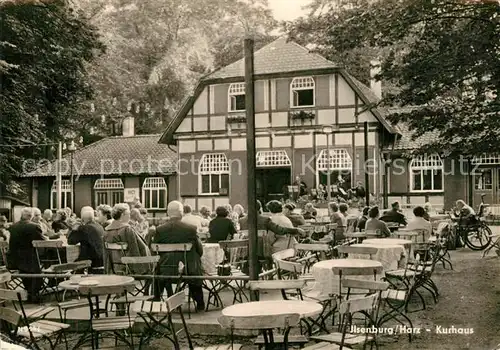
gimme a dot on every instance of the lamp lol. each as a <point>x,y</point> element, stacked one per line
<point>328,130</point>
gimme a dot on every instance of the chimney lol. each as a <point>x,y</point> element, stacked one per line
<point>375,85</point>
<point>128,128</point>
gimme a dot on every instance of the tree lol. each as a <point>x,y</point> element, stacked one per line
<point>157,50</point>
<point>44,47</point>
<point>445,58</point>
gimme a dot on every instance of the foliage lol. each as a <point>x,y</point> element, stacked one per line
<point>43,51</point>
<point>443,57</point>
<point>157,50</point>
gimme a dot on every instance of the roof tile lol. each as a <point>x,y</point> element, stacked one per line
<point>141,154</point>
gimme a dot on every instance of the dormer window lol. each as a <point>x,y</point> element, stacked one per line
<point>236,97</point>
<point>302,92</point>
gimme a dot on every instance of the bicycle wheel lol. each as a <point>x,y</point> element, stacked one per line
<point>479,238</point>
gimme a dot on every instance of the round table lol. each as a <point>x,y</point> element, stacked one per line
<point>274,308</point>
<point>390,255</point>
<point>104,281</point>
<point>328,283</point>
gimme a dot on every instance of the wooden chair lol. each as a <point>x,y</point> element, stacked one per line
<point>14,283</point>
<point>115,253</point>
<point>313,252</point>
<point>118,326</point>
<point>24,328</point>
<point>367,306</point>
<point>355,271</point>
<point>346,250</point>
<point>157,317</point>
<point>266,326</point>
<point>182,267</point>
<point>143,284</point>
<point>43,247</point>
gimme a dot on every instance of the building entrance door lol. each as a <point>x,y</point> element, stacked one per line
<point>272,183</point>
<point>487,182</point>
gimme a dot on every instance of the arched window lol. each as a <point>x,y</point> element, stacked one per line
<point>109,191</point>
<point>426,173</point>
<point>154,193</point>
<point>302,92</point>
<point>269,159</point>
<point>214,174</point>
<point>236,97</point>
<point>339,163</point>
<point>65,194</point>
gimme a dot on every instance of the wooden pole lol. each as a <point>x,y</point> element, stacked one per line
<point>471,184</point>
<point>367,177</point>
<point>251,184</point>
<point>59,175</point>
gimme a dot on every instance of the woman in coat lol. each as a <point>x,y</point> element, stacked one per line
<point>120,231</point>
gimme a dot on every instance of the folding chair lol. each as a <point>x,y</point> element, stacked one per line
<point>14,283</point>
<point>367,306</point>
<point>115,252</point>
<point>155,313</point>
<point>312,253</point>
<point>48,254</point>
<point>266,326</point>
<point>26,330</point>
<point>163,250</point>
<point>143,285</point>
<point>120,327</point>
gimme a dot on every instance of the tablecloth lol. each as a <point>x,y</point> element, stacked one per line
<point>212,256</point>
<point>328,283</point>
<point>391,256</point>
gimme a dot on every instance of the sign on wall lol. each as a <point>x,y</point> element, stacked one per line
<point>131,195</point>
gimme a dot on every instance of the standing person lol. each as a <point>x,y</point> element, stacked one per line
<point>22,255</point>
<point>338,218</point>
<point>221,228</point>
<point>104,215</point>
<point>120,231</point>
<point>175,231</point>
<point>90,237</point>
<point>302,186</point>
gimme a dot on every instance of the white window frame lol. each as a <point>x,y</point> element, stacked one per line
<point>340,160</point>
<point>487,159</point>
<point>66,195</point>
<point>108,186</point>
<point>212,164</point>
<point>235,89</point>
<point>154,184</point>
<point>273,159</point>
<point>299,84</point>
<point>431,163</point>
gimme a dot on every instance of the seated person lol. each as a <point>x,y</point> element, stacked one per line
<point>309,212</point>
<point>296,219</point>
<point>374,224</point>
<point>419,223</point>
<point>394,215</point>
<point>428,210</point>
<point>337,218</point>
<point>191,219</point>
<point>465,213</point>
<point>278,217</point>
<point>360,225</point>
<point>221,228</point>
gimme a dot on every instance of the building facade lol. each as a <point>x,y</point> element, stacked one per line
<point>113,170</point>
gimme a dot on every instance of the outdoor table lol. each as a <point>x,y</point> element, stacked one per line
<point>382,241</point>
<point>390,255</point>
<point>212,256</point>
<point>274,308</point>
<point>328,283</point>
<point>436,217</point>
<point>102,280</point>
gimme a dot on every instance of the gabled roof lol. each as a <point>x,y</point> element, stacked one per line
<point>141,154</point>
<point>280,56</point>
